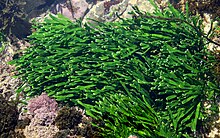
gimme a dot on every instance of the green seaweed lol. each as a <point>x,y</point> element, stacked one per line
<point>148,76</point>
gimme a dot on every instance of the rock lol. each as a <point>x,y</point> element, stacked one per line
<point>143,5</point>
<point>105,11</point>
<point>40,131</point>
<point>8,117</point>
<point>79,8</point>
<point>33,5</point>
<point>215,125</point>
<point>68,118</point>
<point>73,9</point>
<point>72,122</point>
<point>34,8</point>
<point>207,26</point>
<point>8,84</point>
<point>49,121</point>
<point>96,13</point>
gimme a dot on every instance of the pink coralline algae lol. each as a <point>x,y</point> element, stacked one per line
<point>43,110</point>
<point>42,104</point>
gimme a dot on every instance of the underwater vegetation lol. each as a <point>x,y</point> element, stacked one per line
<point>149,76</point>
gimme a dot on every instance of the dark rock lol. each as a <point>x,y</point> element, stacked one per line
<point>8,118</point>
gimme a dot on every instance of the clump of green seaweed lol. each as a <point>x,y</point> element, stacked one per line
<point>149,76</point>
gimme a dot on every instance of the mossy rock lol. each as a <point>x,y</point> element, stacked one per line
<point>68,118</point>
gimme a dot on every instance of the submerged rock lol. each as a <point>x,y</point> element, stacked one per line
<point>8,118</point>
